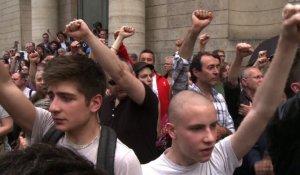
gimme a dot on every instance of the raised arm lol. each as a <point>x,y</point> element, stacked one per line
<point>203,40</point>
<point>120,48</point>
<point>108,60</point>
<point>271,89</point>
<point>34,59</point>
<point>200,19</point>
<point>242,50</point>
<point>15,102</point>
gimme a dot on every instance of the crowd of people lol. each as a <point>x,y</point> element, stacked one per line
<point>73,104</point>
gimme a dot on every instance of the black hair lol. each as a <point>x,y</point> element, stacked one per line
<point>47,160</point>
<point>294,75</point>
<point>196,63</point>
<point>88,76</point>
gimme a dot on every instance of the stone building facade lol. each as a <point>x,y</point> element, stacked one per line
<point>158,23</point>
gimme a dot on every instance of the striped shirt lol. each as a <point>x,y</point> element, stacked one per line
<point>180,82</point>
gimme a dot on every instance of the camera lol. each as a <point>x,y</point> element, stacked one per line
<point>22,53</point>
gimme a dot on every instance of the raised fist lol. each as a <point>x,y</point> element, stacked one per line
<point>73,26</point>
<point>204,38</point>
<point>34,57</point>
<point>126,31</point>
<point>201,19</point>
<point>243,50</point>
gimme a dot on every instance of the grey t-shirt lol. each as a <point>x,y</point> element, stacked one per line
<point>4,114</point>
<point>126,162</point>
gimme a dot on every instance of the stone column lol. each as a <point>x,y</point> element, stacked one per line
<point>44,16</point>
<point>129,13</point>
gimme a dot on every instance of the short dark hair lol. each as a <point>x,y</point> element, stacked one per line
<point>61,33</point>
<point>147,51</point>
<point>196,63</point>
<point>216,52</point>
<point>88,76</point>
<point>47,160</point>
<point>294,75</point>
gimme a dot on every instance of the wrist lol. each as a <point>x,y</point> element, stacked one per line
<point>114,49</point>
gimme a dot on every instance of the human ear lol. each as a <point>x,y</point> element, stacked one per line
<point>295,87</point>
<point>171,130</point>
<point>96,103</point>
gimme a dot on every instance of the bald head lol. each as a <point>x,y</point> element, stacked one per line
<point>249,71</point>
<point>184,100</point>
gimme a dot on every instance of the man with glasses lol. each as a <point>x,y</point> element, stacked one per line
<point>240,103</point>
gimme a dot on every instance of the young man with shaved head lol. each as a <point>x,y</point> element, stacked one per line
<point>193,128</point>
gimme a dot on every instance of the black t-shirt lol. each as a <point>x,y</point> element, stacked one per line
<point>134,124</point>
<point>234,97</point>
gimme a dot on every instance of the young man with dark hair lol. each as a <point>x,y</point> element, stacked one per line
<point>193,118</point>
<point>132,109</point>
<point>76,88</point>
<point>47,160</point>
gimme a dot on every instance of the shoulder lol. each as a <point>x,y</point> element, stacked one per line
<point>3,113</point>
<point>126,162</point>
<point>224,157</point>
<point>217,95</point>
<point>157,166</point>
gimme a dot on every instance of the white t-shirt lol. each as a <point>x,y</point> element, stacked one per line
<point>126,162</point>
<point>26,92</point>
<point>223,162</point>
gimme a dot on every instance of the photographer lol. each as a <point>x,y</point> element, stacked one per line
<point>97,27</point>
<point>15,62</point>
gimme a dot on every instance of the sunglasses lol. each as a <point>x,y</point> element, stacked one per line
<point>111,82</point>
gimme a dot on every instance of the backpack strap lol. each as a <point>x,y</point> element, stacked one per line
<point>52,135</point>
<point>30,93</point>
<point>106,150</point>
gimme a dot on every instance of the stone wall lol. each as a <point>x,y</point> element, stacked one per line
<point>234,21</point>
<point>10,28</point>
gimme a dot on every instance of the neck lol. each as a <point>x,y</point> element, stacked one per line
<point>205,89</point>
<point>173,155</point>
<point>84,134</point>
<point>249,93</point>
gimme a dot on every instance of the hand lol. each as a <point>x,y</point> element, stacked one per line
<point>243,50</point>
<point>34,57</point>
<point>102,40</point>
<point>126,31</point>
<point>264,166</point>
<point>262,53</point>
<point>75,44</point>
<point>204,39</point>
<point>244,109</point>
<point>291,23</point>
<point>78,29</point>
<point>178,44</point>
<point>201,19</point>
<point>116,34</point>
<point>17,55</point>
